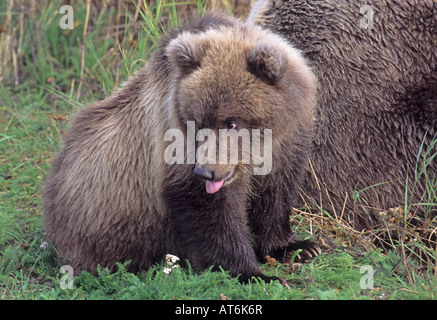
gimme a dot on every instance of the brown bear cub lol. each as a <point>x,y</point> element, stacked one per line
<point>118,191</point>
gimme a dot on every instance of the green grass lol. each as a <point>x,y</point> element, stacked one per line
<point>57,71</point>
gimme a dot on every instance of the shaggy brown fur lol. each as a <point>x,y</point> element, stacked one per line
<point>111,196</point>
<point>377,101</point>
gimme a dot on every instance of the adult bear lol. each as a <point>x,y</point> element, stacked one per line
<point>376,116</point>
<point>120,190</point>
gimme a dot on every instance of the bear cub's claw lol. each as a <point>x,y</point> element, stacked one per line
<point>309,250</point>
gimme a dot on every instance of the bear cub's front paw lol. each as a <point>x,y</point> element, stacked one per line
<point>308,251</point>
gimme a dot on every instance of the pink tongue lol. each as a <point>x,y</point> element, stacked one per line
<point>213,186</point>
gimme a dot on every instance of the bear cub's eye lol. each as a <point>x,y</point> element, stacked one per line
<point>232,124</point>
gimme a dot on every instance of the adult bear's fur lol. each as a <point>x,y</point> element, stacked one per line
<point>110,195</point>
<point>377,101</point>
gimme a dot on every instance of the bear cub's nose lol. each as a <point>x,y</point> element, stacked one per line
<point>204,173</point>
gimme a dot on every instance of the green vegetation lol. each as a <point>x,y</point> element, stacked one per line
<point>47,73</point>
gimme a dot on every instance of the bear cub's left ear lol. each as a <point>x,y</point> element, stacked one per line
<point>185,52</point>
<point>267,62</point>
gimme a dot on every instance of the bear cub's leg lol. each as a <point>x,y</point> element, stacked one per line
<point>270,224</point>
<point>212,230</point>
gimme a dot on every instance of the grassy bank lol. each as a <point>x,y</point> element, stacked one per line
<point>47,73</point>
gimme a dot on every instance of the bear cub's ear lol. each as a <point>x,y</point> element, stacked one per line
<point>267,62</point>
<point>185,52</point>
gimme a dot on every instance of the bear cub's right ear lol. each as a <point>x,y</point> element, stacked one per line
<point>267,62</point>
<point>185,52</point>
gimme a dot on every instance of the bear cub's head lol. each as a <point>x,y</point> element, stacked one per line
<point>246,92</point>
